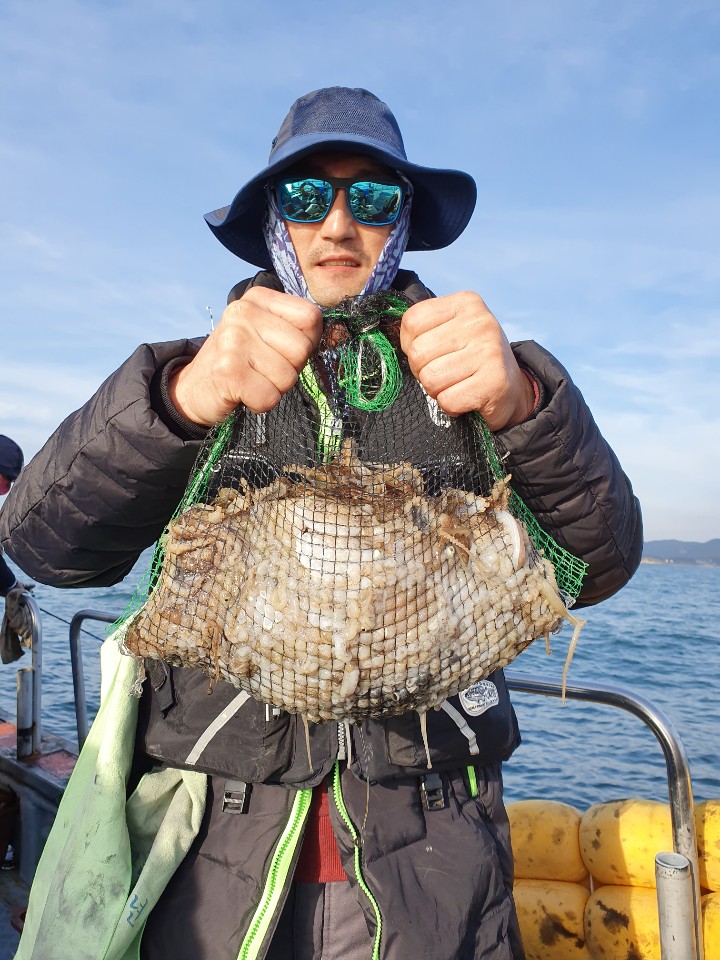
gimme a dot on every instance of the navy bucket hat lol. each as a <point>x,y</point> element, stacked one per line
<point>347,120</point>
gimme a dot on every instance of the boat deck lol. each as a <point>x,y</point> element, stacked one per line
<point>13,900</point>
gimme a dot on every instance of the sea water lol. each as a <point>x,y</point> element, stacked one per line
<point>659,637</point>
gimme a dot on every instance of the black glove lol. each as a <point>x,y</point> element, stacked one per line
<point>16,625</point>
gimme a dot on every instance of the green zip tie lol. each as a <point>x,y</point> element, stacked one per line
<point>369,371</point>
<point>342,809</point>
<point>277,877</point>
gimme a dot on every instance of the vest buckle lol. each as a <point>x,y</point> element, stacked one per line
<point>432,792</point>
<point>236,797</point>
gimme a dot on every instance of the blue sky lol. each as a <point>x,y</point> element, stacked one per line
<point>592,129</point>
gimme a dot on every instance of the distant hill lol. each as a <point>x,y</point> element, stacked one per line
<point>682,551</point>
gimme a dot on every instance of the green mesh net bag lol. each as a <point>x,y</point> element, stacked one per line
<point>354,552</point>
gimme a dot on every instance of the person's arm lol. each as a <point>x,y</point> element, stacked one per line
<point>569,477</point>
<point>7,577</point>
<point>105,484</point>
<point>17,623</point>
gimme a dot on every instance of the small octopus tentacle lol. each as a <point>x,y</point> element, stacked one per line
<point>559,607</point>
<point>423,730</point>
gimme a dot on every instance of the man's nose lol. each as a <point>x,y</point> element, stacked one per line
<point>339,224</point>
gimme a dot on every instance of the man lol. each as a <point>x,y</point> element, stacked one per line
<point>388,860</point>
<point>17,622</point>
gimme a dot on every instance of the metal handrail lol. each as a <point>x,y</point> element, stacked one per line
<point>81,717</point>
<point>29,686</point>
<point>678,771</point>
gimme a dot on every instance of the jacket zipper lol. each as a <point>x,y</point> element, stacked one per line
<point>342,809</point>
<point>277,877</point>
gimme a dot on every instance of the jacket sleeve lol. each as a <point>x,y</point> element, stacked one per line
<point>104,485</point>
<point>571,480</point>
<point>7,577</point>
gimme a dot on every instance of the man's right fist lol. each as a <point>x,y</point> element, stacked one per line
<point>252,357</point>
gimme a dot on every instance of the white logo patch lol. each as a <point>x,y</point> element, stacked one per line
<point>479,697</point>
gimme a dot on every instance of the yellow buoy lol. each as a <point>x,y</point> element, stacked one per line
<point>622,922</point>
<point>545,840</point>
<point>707,831</point>
<point>551,916</point>
<point>619,840</point>
<point>710,904</point>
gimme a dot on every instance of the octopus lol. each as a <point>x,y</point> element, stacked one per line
<point>345,591</point>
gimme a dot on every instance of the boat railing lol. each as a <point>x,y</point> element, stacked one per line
<point>29,686</point>
<point>78,675</point>
<point>678,884</point>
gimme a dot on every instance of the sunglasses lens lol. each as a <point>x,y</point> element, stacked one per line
<point>309,200</point>
<point>304,201</point>
<point>375,203</point>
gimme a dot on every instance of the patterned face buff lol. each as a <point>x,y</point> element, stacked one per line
<point>285,262</point>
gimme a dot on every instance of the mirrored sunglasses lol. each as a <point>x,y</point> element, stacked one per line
<point>309,199</point>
